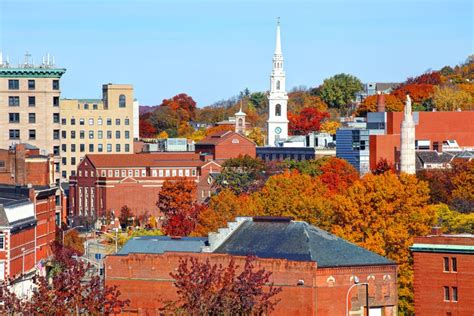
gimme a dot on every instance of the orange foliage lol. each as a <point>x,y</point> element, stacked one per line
<point>337,174</point>
<point>392,104</point>
<point>417,92</point>
<point>219,128</point>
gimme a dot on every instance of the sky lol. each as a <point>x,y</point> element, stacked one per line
<point>212,49</point>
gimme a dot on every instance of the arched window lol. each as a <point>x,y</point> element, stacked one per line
<point>278,110</point>
<point>278,84</point>
<point>122,101</point>
<point>241,122</point>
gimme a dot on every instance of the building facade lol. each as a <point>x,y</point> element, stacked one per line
<point>443,274</point>
<point>29,107</point>
<point>314,268</point>
<point>90,126</point>
<point>225,145</point>
<point>353,145</point>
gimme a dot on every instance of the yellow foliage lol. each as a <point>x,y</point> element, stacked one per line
<point>256,135</point>
<point>330,127</point>
<point>163,135</point>
<point>449,98</point>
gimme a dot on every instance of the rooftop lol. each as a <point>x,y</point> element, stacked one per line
<point>164,159</point>
<point>162,244</point>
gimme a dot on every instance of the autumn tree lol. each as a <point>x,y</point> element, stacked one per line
<point>392,104</point>
<point>177,202</point>
<point>419,93</point>
<point>125,215</point>
<point>147,130</point>
<point>256,135</point>
<point>451,98</point>
<point>339,90</point>
<point>430,77</point>
<point>337,174</point>
<point>74,241</point>
<point>183,105</point>
<point>383,213</point>
<point>210,289</point>
<point>462,197</point>
<point>309,120</point>
<point>383,166</point>
<point>163,135</point>
<point>453,222</point>
<point>330,127</point>
<point>300,100</point>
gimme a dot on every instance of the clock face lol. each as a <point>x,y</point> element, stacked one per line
<point>278,130</point>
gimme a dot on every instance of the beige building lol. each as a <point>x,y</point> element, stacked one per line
<point>96,126</point>
<point>29,107</point>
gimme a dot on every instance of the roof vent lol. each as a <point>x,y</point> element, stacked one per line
<point>286,219</point>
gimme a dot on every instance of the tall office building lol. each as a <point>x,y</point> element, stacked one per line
<point>90,126</point>
<point>29,106</point>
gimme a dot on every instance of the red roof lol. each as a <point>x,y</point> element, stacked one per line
<point>218,137</point>
<point>185,159</point>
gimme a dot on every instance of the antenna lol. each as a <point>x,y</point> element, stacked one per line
<point>53,61</point>
<point>47,60</point>
<point>1,58</point>
<point>278,20</point>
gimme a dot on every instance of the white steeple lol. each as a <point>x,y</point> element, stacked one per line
<point>407,141</point>
<point>277,124</point>
<point>240,120</point>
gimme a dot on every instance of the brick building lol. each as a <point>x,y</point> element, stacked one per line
<point>225,145</point>
<point>314,268</point>
<point>27,227</point>
<point>444,274</point>
<point>431,128</point>
<point>105,183</point>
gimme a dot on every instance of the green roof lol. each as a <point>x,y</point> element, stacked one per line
<point>32,72</point>
<point>442,248</point>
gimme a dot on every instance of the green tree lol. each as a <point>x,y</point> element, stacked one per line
<point>339,90</point>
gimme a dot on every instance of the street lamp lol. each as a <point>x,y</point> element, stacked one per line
<point>65,231</point>
<point>23,261</point>
<point>356,283</point>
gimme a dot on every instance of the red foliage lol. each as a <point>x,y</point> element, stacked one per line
<point>338,174</point>
<point>125,215</point>
<point>417,92</point>
<point>383,166</point>
<point>176,201</point>
<point>433,78</point>
<point>182,104</point>
<point>308,120</point>
<point>146,129</point>
<point>206,289</point>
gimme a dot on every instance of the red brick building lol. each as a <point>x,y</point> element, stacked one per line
<point>314,268</point>
<point>27,228</point>
<point>437,127</point>
<point>105,183</point>
<point>444,274</point>
<point>225,145</point>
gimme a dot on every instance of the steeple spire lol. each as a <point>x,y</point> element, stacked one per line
<point>278,41</point>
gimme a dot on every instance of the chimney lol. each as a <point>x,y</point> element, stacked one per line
<point>436,230</point>
<point>380,102</point>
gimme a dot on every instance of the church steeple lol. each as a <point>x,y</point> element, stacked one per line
<point>278,41</point>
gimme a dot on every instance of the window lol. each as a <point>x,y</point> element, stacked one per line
<point>454,265</point>
<point>127,135</point>
<point>103,173</point>
<point>13,84</point>
<point>63,121</point>
<point>63,174</point>
<point>91,134</point>
<point>56,150</point>
<point>124,173</point>
<point>186,172</point>
<point>99,134</point>
<point>109,134</point>
<point>31,101</point>
<point>278,110</point>
<point>99,121</point>
<point>73,134</point>
<point>63,134</point>
<point>173,172</point>
<point>2,242</point>
<point>143,173</point>
<point>278,85</point>
<point>180,172</point>
<point>194,172</point>
<point>14,117</point>
<point>31,85</point>
<point>63,148</point>
<point>56,118</point>
<point>130,173</point>
<point>31,118</point>
<point>446,293</point>
<point>122,101</point>
<point>91,121</point>
<point>73,121</point>
<point>91,148</point>
<point>127,121</point>
<point>137,173</point>
<point>127,148</point>
<point>32,134</point>
<point>109,148</point>
<point>86,173</point>
<point>117,173</point>
<point>117,121</point>
<point>14,133</point>
<point>81,121</point>
<point>13,101</point>
<point>82,134</point>
<point>73,148</point>
<point>86,106</point>
<point>446,264</point>
<point>82,148</point>
<point>455,294</point>
<point>2,163</point>
<point>167,173</point>
<point>117,134</point>
<point>73,161</point>
<point>117,148</point>
<point>55,84</point>
<point>100,148</point>
<point>109,121</point>
<point>160,173</point>
<point>55,101</point>
<point>94,106</point>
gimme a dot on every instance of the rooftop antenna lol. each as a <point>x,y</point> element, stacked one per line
<point>47,60</point>
<point>1,58</point>
<point>53,61</point>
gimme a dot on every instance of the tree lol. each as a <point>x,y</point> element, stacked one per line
<point>177,202</point>
<point>418,92</point>
<point>210,289</point>
<point>74,241</point>
<point>463,189</point>
<point>453,222</point>
<point>183,105</point>
<point>301,99</point>
<point>147,130</point>
<point>450,98</point>
<point>259,101</point>
<point>337,174</point>
<point>383,213</point>
<point>309,120</point>
<point>330,127</point>
<point>340,90</point>
<point>162,135</point>
<point>392,104</point>
<point>256,135</point>
<point>383,166</point>
<point>125,215</point>
<point>430,77</point>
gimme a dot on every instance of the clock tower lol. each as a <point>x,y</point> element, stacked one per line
<point>277,124</point>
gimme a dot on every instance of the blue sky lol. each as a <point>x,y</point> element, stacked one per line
<point>213,49</point>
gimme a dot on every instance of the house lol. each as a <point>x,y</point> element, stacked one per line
<point>226,144</point>
<point>315,269</point>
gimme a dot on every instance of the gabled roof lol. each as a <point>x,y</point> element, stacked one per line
<point>219,137</point>
<point>162,244</point>
<point>297,241</point>
<point>434,157</point>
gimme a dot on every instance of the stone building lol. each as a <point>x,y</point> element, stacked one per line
<point>314,268</point>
